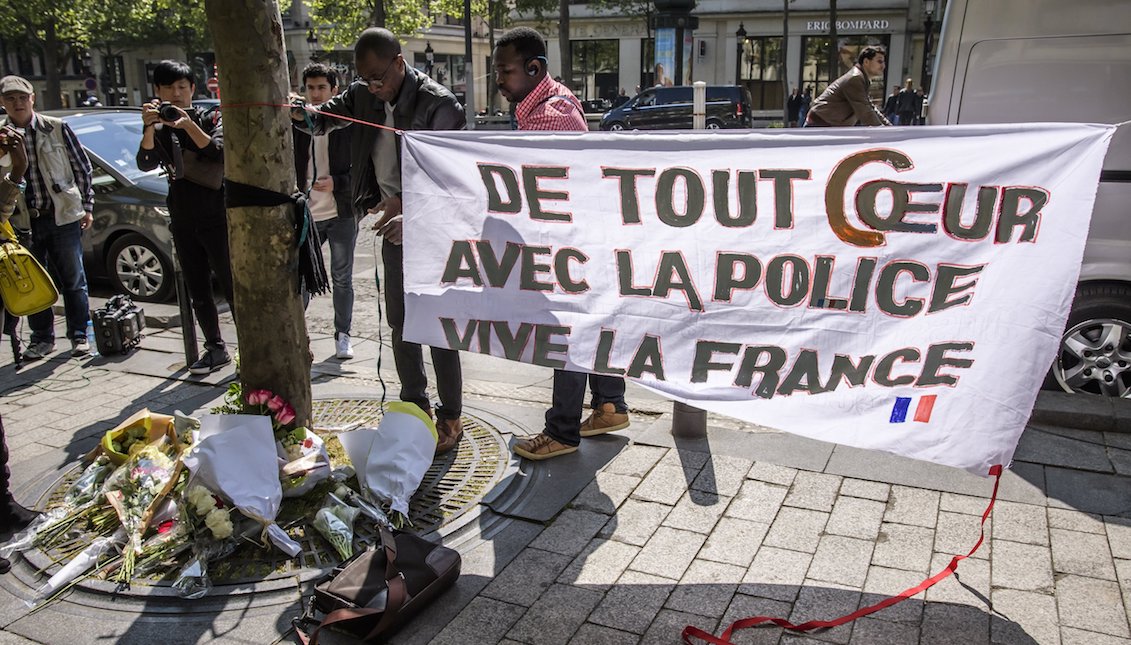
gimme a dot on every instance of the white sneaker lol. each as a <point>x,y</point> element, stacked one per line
<point>344,349</point>
<point>80,347</point>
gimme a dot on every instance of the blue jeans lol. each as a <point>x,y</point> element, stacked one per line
<point>59,250</point>
<point>341,233</point>
<point>563,419</point>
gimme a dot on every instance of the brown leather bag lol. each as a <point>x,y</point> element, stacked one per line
<point>376,591</point>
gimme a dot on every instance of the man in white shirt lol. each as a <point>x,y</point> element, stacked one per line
<point>322,164</point>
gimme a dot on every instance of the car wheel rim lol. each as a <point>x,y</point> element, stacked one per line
<point>1095,358</point>
<point>713,126</point>
<point>616,127</point>
<point>139,270</point>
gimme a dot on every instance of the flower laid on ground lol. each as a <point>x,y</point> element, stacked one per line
<point>219,521</point>
<point>335,522</point>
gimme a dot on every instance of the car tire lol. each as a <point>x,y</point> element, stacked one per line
<point>137,268</point>
<point>615,126</point>
<point>714,124</point>
<point>1094,356</point>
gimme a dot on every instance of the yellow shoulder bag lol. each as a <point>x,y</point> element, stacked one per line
<point>25,287</point>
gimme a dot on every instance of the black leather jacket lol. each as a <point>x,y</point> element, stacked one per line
<point>340,144</point>
<point>423,104</point>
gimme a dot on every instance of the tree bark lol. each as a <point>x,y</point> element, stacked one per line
<point>273,344</point>
<point>54,98</point>
<point>564,53</point>
<point>379,14</point>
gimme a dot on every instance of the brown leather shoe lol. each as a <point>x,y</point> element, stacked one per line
<point>449,432</point>
<point>604,419</point>
<point>542,446</point>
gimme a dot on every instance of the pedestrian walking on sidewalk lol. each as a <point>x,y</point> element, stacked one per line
<point>540,103</point>
<point>846,102</point>
<point>322,165</point>
<point>60,199</point>
<point>391,92</point>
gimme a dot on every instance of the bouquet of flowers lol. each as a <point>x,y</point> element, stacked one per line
<point>135,491</point>
<point>335,522</point>
<point>236,458</point>
<point>304,462</point>
<point>212,528</point>
<point>392,459</point>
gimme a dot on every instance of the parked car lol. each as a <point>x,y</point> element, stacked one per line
<point>129,242</point>
<point>994,70</point>
<point>209,108</point>
<point>670,108</point>
<point>596,106</point>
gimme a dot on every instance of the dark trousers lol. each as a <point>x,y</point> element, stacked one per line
<point>563,419</point>
<point>59,250</point>
<point>199,225</point>
<point>409,357</point>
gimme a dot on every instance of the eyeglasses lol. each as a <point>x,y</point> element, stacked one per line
<point>378,82</point>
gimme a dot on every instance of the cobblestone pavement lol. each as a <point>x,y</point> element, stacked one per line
<point>664,533</point>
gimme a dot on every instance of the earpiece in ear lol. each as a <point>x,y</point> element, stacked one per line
<point>532,70</point>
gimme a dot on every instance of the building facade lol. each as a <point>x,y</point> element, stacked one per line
<point>745,42</point>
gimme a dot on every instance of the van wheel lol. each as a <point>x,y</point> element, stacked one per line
<point>616,126</point>
<point>138,269</point>
<point>714,124</point>
<point>1095,349</point>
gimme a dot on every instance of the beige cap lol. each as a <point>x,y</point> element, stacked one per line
<point>15,84</point>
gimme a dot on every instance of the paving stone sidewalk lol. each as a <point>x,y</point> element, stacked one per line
<point>671,533</point>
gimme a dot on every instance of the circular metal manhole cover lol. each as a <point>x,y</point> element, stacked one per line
<point>452,487</point>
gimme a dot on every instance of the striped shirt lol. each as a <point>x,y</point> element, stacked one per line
<point>36,192</point>
<point>550,106</point>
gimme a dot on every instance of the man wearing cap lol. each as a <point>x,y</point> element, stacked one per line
<point>60,198</point>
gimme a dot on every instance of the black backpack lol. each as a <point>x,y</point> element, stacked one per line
<point>118,325</point>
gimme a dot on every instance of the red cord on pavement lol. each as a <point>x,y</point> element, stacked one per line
<point>690,631</point>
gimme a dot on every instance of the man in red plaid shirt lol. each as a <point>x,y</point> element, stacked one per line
<point>539,102</point>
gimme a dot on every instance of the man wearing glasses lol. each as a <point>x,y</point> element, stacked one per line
<point>391,93</point>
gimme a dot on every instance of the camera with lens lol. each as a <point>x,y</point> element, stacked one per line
<point>168,112</point>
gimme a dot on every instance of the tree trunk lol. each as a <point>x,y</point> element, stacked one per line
<point>273,344</point>
<point>54,98</point>
<point>379,15</point>
<point>564,53</point>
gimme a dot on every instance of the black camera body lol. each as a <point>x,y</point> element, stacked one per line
<point>118,325</point>
<point>168,112</point>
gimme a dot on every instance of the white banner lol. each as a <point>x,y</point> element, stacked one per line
<point>902,289</point>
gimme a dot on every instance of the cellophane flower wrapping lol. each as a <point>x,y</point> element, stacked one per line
<point>236,458</point>
<point>136,489</point>
<point>335,522</point>
<point>303,462</point>
<point>392,459</point>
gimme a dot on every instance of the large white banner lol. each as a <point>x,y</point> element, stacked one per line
<point>901,289</point>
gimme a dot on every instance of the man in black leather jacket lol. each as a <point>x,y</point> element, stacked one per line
<point>390,93</point>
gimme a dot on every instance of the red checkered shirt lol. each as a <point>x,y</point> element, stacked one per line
<point>550,106</point>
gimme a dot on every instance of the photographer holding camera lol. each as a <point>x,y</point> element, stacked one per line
<point>192,152</point>
<point>60,199</point>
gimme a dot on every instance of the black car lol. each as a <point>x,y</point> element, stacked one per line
<point>670,108</point>
<point>129,242</point>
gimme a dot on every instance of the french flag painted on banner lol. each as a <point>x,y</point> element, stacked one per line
<point>922,409</point>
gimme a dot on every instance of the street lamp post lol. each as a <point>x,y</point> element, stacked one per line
<point>740,36</point>
<point>311,39</point>
<point>928,40</point>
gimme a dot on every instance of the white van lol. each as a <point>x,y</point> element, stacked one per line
<point>1010,61</point>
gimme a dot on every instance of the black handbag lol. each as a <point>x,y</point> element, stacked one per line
<point>376,591</point>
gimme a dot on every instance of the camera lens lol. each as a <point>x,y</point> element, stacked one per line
<point>168,112</point>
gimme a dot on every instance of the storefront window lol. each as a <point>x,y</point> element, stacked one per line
<point>445,69</point>
<point>596,65</point>
<point>760,71</point>
<point>815,61</point>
